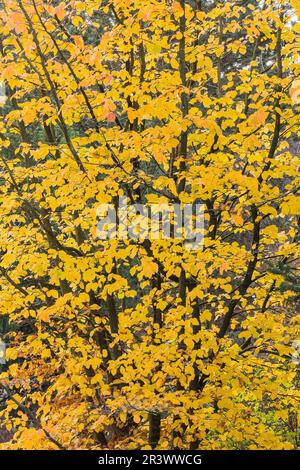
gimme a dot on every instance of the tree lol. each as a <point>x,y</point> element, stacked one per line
<point>140,342</point>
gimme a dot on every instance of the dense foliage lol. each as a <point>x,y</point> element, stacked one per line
<point>144,343</point>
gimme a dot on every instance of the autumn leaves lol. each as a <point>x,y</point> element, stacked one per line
<point>127,343</point>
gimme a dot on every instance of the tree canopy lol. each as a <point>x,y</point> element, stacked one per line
<point>141,342</point>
